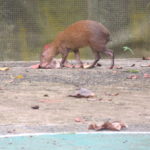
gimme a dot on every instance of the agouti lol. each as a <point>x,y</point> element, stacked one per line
<point>80,34</point>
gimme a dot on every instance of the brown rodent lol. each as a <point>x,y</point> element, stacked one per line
<point>80,34</point>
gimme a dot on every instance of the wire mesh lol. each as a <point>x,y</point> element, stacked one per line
<point>25,25</point>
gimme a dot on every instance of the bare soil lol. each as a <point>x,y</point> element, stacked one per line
<point>117,98</point>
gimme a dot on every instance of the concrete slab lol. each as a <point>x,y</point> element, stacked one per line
<point>49,89</point>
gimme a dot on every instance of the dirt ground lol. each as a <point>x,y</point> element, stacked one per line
<point>117,98</point>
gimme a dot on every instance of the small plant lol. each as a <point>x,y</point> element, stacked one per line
<point>126,48</point>
<point>133,71</point>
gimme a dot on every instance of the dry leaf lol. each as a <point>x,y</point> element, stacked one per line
<point>95,127</point>
<point>117,67</point>
<point>67,65</point>
<point>35,107</point>
<point>54,65</point>
<point>146,75</point>
<point>115,126</point>
<point>146,58</point>
<point>83,93</point>
<point>109,94</point>
<point>86,66</point>
<point>145,65</point>
<point>133,77</point>
<point>11,131</point>
<point>19,76</point>
<point>116,94</point>
<point>79,119</point>
<point>100,99</point>
<point>132,65</point>
<point>45,95</point>
<point>4,68</point>
<point>35,66</point>
<point>92,99</point>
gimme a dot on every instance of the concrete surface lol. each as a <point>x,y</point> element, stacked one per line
<point>22,87</point>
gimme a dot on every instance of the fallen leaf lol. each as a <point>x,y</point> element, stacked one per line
<point>132,71</point>
<point>67,65</point>
<point>79,119</point>
<point>92,99</point>
<point>45,95</point>
<point>133,77</point>
<point>11,131</point>
<point>118,67</point>
<point>145,65</point>
<point>132,65</point>
<point>114,126</point>
<point>116,94</point>
<point>4,68</point>
<point>146,58</point>
<point>100,99</point>
<point>146,75</point>
<point>35,66</point>
<point>78,66</point>
<point>35,107</point>
<point>83,93</point>
<point>85,66</point>
<point>54,65</point>
<point>109,94</point>
<point>95,127</point>
<point>19,76</point>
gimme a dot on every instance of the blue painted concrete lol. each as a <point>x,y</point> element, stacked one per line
<point>92,141</point>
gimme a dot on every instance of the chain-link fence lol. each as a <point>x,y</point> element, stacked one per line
<point>26,25</point>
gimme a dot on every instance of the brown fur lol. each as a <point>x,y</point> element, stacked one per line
<point>80,34</point>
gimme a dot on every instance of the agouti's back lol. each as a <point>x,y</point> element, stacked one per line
<point>83,33</point>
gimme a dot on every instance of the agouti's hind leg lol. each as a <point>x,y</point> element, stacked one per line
<point>97,58</point>
<point>110,53</point>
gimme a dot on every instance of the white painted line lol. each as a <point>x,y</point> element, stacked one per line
<point>102,133</point>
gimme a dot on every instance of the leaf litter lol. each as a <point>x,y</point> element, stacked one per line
<point>133,77</point>
<point>55,64</point>
<point>83,93</point>
<point>114,126</point>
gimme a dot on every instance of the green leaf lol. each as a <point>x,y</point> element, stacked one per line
<point>125,48</point>
<point>133,71</point>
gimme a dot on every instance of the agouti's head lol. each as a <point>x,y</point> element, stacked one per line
<point>47,55</point>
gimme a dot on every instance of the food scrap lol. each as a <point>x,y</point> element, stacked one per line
<point>4,68</point>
